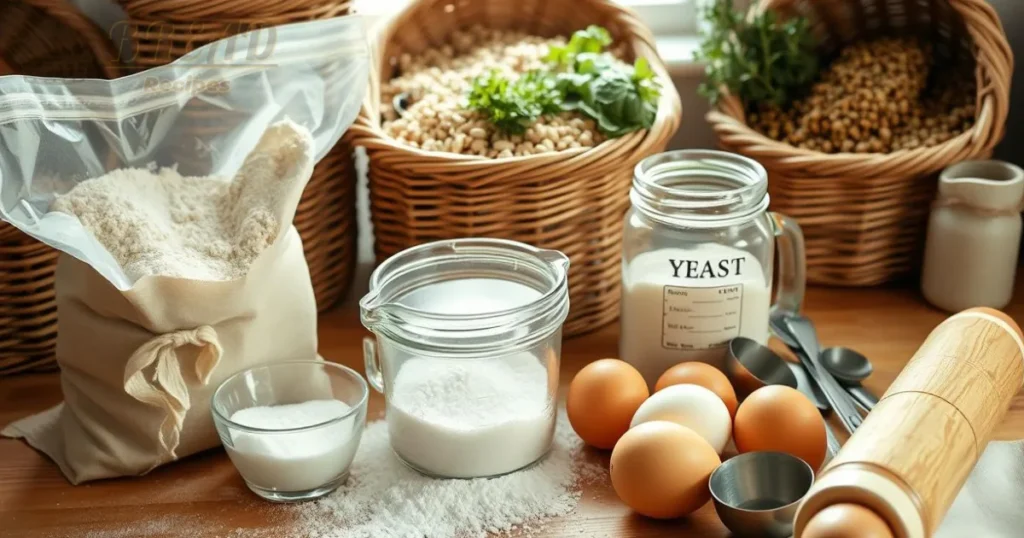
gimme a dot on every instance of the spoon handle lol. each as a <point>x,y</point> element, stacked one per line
<point>806,384</point>
<point>865,398</point>
<point>804,334</point>
<point>832,442</point>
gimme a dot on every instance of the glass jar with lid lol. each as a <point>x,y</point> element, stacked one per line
<point>466,347</point>
<point>698,254</point>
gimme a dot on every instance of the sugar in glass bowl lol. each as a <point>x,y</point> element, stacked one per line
<point>292,428</point>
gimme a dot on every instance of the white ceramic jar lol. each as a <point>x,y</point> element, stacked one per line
<point>974,236</point>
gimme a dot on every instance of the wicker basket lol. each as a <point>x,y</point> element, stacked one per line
<point>164,30</point>
<point>573,201</point>
<point>864,216</point>
<point>48,38</point>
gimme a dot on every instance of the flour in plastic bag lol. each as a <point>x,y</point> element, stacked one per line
<point>158,222</point>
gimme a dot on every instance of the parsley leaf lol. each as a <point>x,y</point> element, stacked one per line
<point>514,105</point>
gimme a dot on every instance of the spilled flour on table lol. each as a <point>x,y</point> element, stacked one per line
<point>159,527</point>
<point>385,499</point>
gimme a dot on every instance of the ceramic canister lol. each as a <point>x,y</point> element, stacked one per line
<point>974,236</point>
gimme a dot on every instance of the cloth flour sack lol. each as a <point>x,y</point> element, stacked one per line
<point>139,366</point>
<point>170,194</point>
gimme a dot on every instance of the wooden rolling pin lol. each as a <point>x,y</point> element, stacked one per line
<point>900,471</point>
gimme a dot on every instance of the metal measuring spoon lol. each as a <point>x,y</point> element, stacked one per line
<point>758,493</point>
<point>850,368</point>
<point>805,383</point>
<point>802,331</point>
<point>750,366</point>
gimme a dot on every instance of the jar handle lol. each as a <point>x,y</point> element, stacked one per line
<point>372,363</point>
<point>792,277</point>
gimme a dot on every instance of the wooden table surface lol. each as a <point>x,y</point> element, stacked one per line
<point>203,496</point>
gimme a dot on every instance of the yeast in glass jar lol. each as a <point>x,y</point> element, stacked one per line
<point>698,253</point>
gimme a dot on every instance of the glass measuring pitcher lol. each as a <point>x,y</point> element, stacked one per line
<point>698,254</point>
<point>468,337</point>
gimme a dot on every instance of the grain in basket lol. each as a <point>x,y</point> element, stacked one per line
<point>882,103</point>
<point>500,94</point>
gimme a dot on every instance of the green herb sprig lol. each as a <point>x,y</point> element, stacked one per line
<point>514,105</point>
<point>756,57</point>
<point>581,76</point>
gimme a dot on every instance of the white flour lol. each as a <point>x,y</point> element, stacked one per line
<point>157,222</point>
<point>471,418</point>
<point>293,462</point>
<point>158,527</point>
<point>386,499</point>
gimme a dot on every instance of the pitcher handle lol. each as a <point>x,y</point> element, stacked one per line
<point>371,361</point>
<point>792,277</point>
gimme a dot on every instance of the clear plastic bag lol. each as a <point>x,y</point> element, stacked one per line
<point>202,113</point>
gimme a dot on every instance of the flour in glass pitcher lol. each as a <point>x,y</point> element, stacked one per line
<point>683,305</point>
<point>469,417</point>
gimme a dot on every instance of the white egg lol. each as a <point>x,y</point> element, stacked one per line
<point>692,406</point>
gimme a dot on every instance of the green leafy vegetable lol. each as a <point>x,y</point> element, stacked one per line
<point>620,99</point>
<point>584,78</point>
<point>593,40</point>
<point>512,106</point>
<point>758,58</point>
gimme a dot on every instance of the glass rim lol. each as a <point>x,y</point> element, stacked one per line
<point>546,260</point>
<point>643,171</point>
<point>743,194</point>
<point>546,271</point>
<point>338,368</point>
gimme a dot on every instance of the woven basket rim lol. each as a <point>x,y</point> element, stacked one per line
<point>225,11</point>
<point>172,20</point>
<point>368,128</point>
<point>992,104</point>
<point>102,47</point>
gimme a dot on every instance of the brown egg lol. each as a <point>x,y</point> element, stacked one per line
<point>781,419</point>
<point>602,399</point>
<point>661,469</point>
<point>847,521</point>
<point>705,375</point>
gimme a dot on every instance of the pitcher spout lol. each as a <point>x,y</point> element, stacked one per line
<point>369,309</point>
<point>556,259</point>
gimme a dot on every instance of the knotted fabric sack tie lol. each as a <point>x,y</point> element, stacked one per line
<point>167,389</point>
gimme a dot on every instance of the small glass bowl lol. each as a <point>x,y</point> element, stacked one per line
<point>279,461</point>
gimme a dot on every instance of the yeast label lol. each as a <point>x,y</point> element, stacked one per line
<point>707,269</point>
<point>701,318</point>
